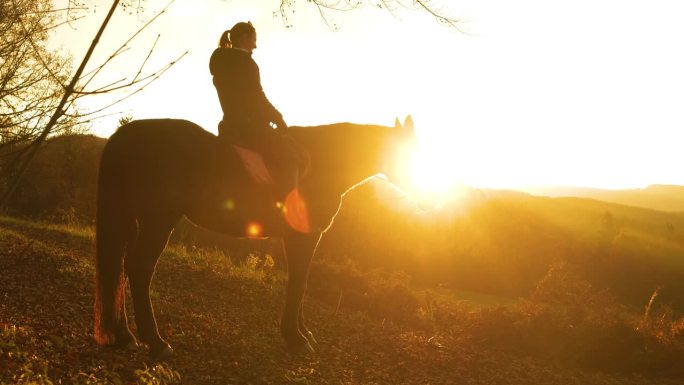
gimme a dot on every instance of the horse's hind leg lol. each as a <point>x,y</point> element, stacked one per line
<point>124,336</point>
<point>140,264</point>
<point>299,250</point>
<point>116,232</point>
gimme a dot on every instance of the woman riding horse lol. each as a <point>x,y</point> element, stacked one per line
<point>247,112</point>
<point>154,172</point>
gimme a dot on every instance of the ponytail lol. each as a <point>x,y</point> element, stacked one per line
<point>224,41</point>
<point>237,32</point>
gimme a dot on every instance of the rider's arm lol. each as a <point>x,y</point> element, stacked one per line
<point>272,113</point>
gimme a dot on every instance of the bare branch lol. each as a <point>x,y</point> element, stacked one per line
<point>56,10</point>
<point>91,74</point>
<point>155,75</point>
<point>147,58</point>
<point>37,51</point>
<point>125,44</point>
<point>103,89</point>
<point>150,78</point>
<point>441,18</point>
<point>326,6</point>
<point>58,111</point>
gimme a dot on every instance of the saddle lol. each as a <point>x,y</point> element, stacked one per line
<point>281,167</point>
<point>255,165</point>
<point>270,158</point>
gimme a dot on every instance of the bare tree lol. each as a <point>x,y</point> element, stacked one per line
<point>31,76</point>
<point>77,87</point>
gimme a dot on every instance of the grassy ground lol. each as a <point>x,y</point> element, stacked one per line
<point>222,319</point>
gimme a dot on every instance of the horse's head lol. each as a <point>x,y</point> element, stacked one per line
<point>397,148</point>
<point>342,154</point>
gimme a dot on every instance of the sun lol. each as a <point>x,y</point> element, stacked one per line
<point>429,173</point>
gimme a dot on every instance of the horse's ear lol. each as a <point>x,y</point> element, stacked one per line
<point>397,124</point>
<point>408,123</point>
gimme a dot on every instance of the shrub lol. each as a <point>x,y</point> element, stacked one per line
<point>382,293</point>
<point>568,320</point>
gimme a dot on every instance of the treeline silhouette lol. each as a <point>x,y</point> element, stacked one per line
<point>61,184</point>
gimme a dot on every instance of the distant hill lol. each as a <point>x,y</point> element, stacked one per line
<point>656,197</point>
<point>504,242</point>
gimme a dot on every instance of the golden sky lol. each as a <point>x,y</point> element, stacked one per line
<point>583,93</point>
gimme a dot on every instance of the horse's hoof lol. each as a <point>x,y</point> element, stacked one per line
<point>309,348</point>
<point>125,342</point>
<point>161,353</point>
<point>301,348</point>
<point>127,345</point>
<point>310,338</point>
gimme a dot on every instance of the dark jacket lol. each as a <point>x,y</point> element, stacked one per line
<point>246,109</point>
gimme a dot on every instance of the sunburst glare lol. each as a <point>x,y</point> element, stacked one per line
<point>429,173</point>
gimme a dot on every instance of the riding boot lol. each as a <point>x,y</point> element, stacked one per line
<point>284,174</point>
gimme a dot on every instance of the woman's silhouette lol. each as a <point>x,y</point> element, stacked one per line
<point>248,115</point>
<point>247,112</point>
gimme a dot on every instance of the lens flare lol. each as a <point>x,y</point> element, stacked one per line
<point>254,230</point>
<point>295,212</point>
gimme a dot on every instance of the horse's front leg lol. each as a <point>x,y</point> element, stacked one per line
<point>304,329</point>
<point>299,250</point>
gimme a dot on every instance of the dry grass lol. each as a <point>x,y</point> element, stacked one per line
<point>222,318</point>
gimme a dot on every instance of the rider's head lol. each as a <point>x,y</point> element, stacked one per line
<point>242,36</point>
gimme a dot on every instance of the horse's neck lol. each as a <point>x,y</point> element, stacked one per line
<point>340,158</point>
<point>323,192</point>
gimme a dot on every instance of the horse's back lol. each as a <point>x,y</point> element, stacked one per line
<point>155,135</point>
<point>157,139</point>
<point>145,161</point>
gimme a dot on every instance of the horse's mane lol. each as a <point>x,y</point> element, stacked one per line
<point>342,130</point>
<point>350,138</point>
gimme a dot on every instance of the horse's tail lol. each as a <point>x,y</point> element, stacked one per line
<point>115,230</point>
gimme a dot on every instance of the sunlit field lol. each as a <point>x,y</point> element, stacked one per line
<point>492,284</point>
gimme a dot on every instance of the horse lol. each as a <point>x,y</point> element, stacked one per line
<point>154,172</point>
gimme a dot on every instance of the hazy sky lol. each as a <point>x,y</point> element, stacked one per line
<point>537,92</point>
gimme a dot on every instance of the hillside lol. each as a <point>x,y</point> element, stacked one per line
<point>503,243</point>
<point>377,327</point>
<point>656,197</point>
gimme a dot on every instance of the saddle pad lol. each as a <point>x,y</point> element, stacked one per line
<point>255,165</point>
